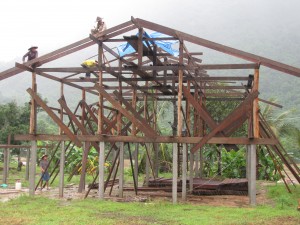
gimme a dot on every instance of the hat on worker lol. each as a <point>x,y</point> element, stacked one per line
<point>33,47</point>
<point>44,156</point>
<point>99,18</point>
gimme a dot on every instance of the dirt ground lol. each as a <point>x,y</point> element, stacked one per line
<point>70,192</point>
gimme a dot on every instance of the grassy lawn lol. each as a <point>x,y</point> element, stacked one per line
<point>39,210</point>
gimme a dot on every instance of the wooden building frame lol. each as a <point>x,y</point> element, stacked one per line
<point>121,82</point>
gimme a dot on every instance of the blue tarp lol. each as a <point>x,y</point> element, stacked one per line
<point>126,48</point>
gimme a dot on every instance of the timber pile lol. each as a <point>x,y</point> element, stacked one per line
<point>109,184</point>
<point>204,186</point>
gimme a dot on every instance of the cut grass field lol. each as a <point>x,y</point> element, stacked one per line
<point>40,210</point>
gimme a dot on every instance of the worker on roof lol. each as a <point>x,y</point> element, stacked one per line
<point>31,54</point>
<point>100,26</point>
<point>89,64</point>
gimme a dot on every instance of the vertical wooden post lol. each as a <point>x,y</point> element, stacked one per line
<point>62,153</point>
<point>32,130</point>
<point>61,170</point>
<point>255,105</point>
<point>180,83</point>
<point>119,118</point>
<point>100,110</point>
<point>251,149</point>
<point>155,145</point>
<point>5,165</point>
<point>252,174</point>
<point>27,164</point>
<point>121,170</point>
<point>83,115</point>
<point>100,126</point>
<point>133,131</point>
<point>147,164</point>
<point>197,163</point>
<point>32,168</point>
<point>32,127</point>
<point>101,170</point>
<point>8,155</point>
<point>191,180</point>
<point>85,152</point>
<point>136,162</point>
<point>184,171</point>
<point>140,47</point>
<point>175,172</point>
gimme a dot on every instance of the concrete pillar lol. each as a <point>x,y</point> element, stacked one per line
<point>252,174</point>
<point>61,170</point>
<point>184,170</point>
<point>32,168</point>
<point>27,164</point>
<point>101,170</point>
<point>147,165</point>
<point>136,162</point>
<point>175,172</point>
<point>121,170</point>
<point>191,179</point>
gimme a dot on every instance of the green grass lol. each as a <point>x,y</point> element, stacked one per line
<point>39,210</point>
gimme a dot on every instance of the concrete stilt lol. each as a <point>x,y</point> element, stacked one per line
<point>101,170</point>
<point>136,162</point>
<point>184,171</point>
<point>175,172</point>
<point>121,170</point>
<point>27,164</point>
<point>191,179</point>
<point>61,170</point>
<point>32,168</point>
<point>252,174</point>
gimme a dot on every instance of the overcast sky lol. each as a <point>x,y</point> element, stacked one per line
<point>52,24</point>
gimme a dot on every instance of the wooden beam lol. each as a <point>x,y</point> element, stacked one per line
<point>222,48</point>
<point>54,117</point>
<point>145,139</point>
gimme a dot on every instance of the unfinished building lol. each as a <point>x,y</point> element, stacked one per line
<point>139,64</point>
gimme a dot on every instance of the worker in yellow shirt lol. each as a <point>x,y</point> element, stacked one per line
<point>90,63</point>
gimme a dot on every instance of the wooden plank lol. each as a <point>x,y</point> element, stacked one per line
<point>222,48</point>
<point>235,115</point>
<point>54,117</point>
<point>123,111</point>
